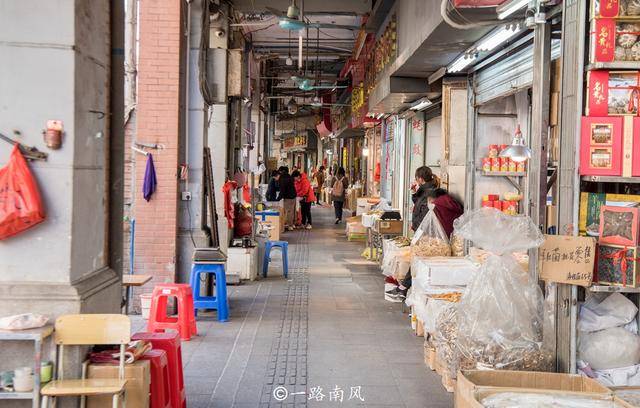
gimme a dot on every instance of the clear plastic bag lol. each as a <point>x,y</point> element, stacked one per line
<point>430,239</point>
<point>501,312</point>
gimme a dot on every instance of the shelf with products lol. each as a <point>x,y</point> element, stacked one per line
<point>611,179</point>
<point>612,289</point>
<point>614,65</point>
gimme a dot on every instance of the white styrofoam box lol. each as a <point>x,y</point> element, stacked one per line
<point>242,262</point>
<point>369,220</point>
<point>363,205</point>
<point>443,271</point>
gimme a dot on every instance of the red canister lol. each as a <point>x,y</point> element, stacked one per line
<point>504,164</point>
<point>495,164</point>
<point>486,164</point>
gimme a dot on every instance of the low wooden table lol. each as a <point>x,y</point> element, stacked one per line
<point>128,281</point>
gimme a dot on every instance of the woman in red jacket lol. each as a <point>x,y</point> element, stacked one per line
<point>305,192</point>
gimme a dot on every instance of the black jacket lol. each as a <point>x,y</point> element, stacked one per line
<point>420,204</point>
<point>272,190</point>
<point>287,187</point>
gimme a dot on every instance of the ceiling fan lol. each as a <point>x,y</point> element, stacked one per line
<point>294,20</point>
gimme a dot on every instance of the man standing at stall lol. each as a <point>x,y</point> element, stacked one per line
<point>287,194</point>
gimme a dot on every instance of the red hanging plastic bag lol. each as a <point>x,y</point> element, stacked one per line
<point>20,204</point>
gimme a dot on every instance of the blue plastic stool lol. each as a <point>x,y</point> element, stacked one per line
<point>218,302</point>
<point>284,247</point>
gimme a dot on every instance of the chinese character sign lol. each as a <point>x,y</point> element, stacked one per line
<point>567,259</point>
<point>605,33</point>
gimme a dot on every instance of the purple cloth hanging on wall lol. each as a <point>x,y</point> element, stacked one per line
<point>150,181</point>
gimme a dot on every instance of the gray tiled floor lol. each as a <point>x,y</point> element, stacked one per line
<point>342,334</point>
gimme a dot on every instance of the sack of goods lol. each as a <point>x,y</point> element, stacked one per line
<point>608,342</point>
<point>430,239</point>
<point>500,315</point>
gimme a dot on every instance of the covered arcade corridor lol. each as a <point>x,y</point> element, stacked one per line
<point>328,325</point>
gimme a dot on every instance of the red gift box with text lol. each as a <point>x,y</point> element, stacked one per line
<point>601,146</point>
<point>613,93</point>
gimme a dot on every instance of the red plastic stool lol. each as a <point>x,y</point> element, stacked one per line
<point>160,378</point>
<point>170,343</point>
<point>185,323</point>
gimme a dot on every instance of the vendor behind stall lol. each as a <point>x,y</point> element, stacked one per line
<point>273,187</point>
<point>446,208</point>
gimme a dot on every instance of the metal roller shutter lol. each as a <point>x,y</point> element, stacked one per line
<point>508,76</point>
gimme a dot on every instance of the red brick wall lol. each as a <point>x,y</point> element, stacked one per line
<point>158,115</point>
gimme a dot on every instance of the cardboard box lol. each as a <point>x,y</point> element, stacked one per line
<point>619,398</point>
<point>619,225</point>
<point>472,383</point>
<point>365,204</point>
<point>556,75</point>
<point>567,259</point>
<point>276,224</point>
<point>612,40</point>
<point>388,226</point>
<point>554,108</point>
<point>602,400</point>
<point>612,93</point>
<point>610,265</point>
<point>137,390</point>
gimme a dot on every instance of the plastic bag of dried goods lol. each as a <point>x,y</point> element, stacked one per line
<point>598,313</point>
<point>430,239</point>
<point>610,348</point>
<point>500,315</point>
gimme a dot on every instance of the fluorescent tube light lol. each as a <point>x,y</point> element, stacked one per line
<point>421,104</point>
<point>461,62</point>
<point>497,37</point>
<point>507,9</point>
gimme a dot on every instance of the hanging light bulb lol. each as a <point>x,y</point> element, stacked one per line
<point>518,151</point>
<point>292,106</point>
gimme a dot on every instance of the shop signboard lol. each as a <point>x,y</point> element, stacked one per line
<point>567,259</point>
<point>298,142</point>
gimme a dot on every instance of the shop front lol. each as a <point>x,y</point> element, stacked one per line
<point>301,150</point>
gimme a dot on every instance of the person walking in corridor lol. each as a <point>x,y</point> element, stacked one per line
<point>287,194</point>
<point>305,193</point>
<point>319,176</point>
<point>339,184</point>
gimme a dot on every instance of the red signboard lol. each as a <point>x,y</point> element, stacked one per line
<point>609,8</point>
<point>605,40</point>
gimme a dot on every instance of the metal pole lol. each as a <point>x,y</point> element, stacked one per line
<point>539,132</point>
<point>573,50</point>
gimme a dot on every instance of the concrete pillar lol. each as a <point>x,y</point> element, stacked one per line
<point>56,65</point>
